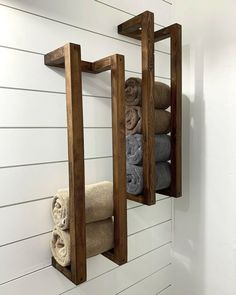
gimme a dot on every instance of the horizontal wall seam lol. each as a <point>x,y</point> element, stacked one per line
<point>76,27</point>
<point>48,266</point>
<point>50,197</point>
<point>116,267</point>
<point>51,127</point>
<point>121,10</point>
<point>163,289</point>
<point>139,281</point>
<point>25,275</point>
<point>47,232</point>
<point>62,161</point>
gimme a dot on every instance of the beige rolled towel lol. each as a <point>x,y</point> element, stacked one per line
<point>99,239</point>
<point>133,93</point>
<point>98,204</point>
<point>133,120</point>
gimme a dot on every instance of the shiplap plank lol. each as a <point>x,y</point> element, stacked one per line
<point>26,146</point>
<point>142,217</point>
<point>28,183</point>
<point>76,17</point>
<point>39,247</point>
<point>151,285</point>
<point>56,37</point>
<point>161,9</point>
<point>33,218</point>
<point>148,239</point>
<point>120,278</point>
<point>24,257</point>
<point>20,108</point>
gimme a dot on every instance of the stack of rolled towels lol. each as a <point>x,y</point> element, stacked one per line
<point>134,137</point>
<point>99,222</point>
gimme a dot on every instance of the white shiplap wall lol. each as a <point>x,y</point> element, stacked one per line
<point>33,149</point>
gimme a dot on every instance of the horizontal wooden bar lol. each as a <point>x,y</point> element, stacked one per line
<point>55,58</point>
<point>165,32</point>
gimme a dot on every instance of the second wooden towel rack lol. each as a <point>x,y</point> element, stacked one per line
<point>69,57</point>
<point>141,27</point>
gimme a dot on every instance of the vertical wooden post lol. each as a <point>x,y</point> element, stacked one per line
<point>119,159</point>
<point>76,161</point>
<point>149,171</point>
<point>176,110</point>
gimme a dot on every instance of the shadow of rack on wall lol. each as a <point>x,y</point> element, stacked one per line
<point>141,27</point>
<point>69,57</point>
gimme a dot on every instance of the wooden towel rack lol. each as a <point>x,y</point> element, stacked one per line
<point>69,57</point>
<point>141,27</point>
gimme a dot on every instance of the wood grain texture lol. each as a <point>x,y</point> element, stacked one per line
<point>141,27</point>
<point>69,57</point>
<point>174,32</point>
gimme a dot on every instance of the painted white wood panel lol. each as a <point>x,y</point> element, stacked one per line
<point>126,275</point>
<point>151,285</point>
<point>76,16</point>
<point>39,249</point>
<point>146,216</point>
<point>27,146</point>
<point>161,9</point>
<point>25,220</point>
<point>33,218</point>
<point>23,257</point>
<point>56,37</point>
<point>148,239</point>
<point>20,108</point>
<point>26,183</point>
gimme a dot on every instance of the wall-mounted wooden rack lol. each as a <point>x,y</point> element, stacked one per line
<point>69,57</point>
<point>141,27</point>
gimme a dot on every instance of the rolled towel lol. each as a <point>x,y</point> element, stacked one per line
<point>134,177</point>
<point>99,239</point>
<point>134,148</point>
<point>133,120</point>
<point>133,93</point>
<point>98,204</point>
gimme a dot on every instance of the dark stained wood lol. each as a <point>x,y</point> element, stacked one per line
<point>141,27</point>
<point>119,254</point>
<point>115,63</point>
<point>174,33</point>
<point>76,161</point>
<point>68,56</point>
<point>55,58</point>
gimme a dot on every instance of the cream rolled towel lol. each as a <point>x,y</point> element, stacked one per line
<point>60,246</point>
<point>99,239</point>
<point>133,121</point>
<point>98,204</point>
<point>133,93</point>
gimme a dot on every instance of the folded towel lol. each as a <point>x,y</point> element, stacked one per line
<point>133,120</point>
<point>134,177</point>
<point>133,93</point>
<point>99,239</point>
<point>134,148</point>
<point>98,204</point>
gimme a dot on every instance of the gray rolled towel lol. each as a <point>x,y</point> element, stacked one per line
<point>133,93</point>
<point>134,177</point>
<point>134,148</point>
<point>133,121</point>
